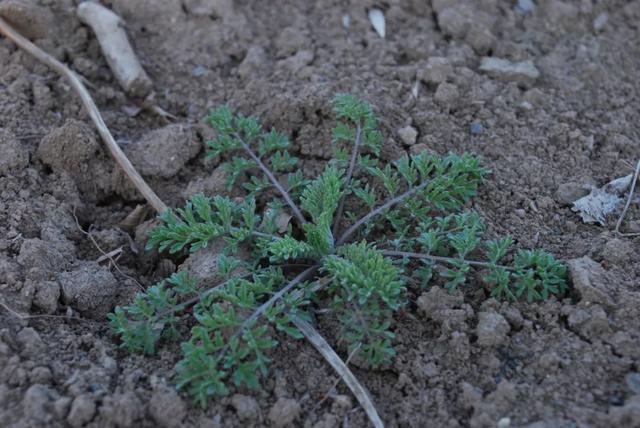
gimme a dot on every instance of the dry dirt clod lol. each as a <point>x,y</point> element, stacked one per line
<point>46,296</point>
<point>524,73</point>
<point>41,375</point>
<point>247,408</point>
<point>61,407</point>
<point>162,152</point>
<point>204,263</point>
<point>37,403</point>
<point>436,71</point>
<point>408,135</point>
<point>626,344</point>
<point>466,21</point>
<point>33,21</point>
<point>290,41</point>
<point>122,410</point>
<point>167,408</point>
<point>492,329</point>
<point>570,192</point>
<point>15,155</point>
<point>590,322</point>
<point>90,289</point>
<point>30,341</point>
<point>437,303</point>
<point>254,63</point>
<point>212,185</point>
<point>590,281</point>
<point>284,412</point>
<point>83,408</point>
<point>617,251</point>
<point>210,8</point>
<point>446,94</point>
<point>627,415</point>
<point>73,149</point>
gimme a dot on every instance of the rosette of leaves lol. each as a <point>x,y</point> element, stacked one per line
<point>361,233</point>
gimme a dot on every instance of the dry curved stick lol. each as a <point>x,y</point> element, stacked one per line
<point>8,31</point>
<point>341,368</point>
<point>28,317</point>
<point>626,205</point>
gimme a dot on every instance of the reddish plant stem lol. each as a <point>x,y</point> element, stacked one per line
<point>274,180</point>
<point>391,202</point>
<point>347,180</point>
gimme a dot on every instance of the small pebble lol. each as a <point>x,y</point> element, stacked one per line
<point>476,128</point>
<point>199,71</point>
<point>524,6</point>
<point>521,213</point>
<point>600,21</point>
<point>504,423</point>
<point>633,382</point>
<point>525,106</point>
<point>346,20</point>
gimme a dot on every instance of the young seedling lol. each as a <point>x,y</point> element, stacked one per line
<point>362,232</point>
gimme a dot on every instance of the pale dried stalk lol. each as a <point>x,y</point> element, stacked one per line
<point>628,203</point>
<point>117,50</point>
<point>106,256</point>
<point>29,317</point>
<point>8,31</point>
<point>341,368</point>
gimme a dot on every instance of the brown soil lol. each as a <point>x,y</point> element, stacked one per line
<point>463,359</point>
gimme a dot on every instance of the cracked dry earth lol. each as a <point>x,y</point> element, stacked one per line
<point>546,91</point>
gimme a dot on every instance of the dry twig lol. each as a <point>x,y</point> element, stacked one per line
<point>8,31</point>
<point>628,203</point>
<point>28,317</point>
<point>106,256</point>
<point>335,384</point>
<point>339,366</point>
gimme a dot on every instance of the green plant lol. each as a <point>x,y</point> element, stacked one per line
<point>361,233</point>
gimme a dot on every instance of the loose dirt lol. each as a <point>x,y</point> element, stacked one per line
<point>558,113</point>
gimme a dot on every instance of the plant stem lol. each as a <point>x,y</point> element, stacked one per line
<point>262,308</point>
<point>347,180</point>
<point>274,180</point>
<point>626,205</point>
<point>302,276</point>
<point>204,294</point>
<point>264,235</point>
<point>450,260</point>
<point>391,202</point>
